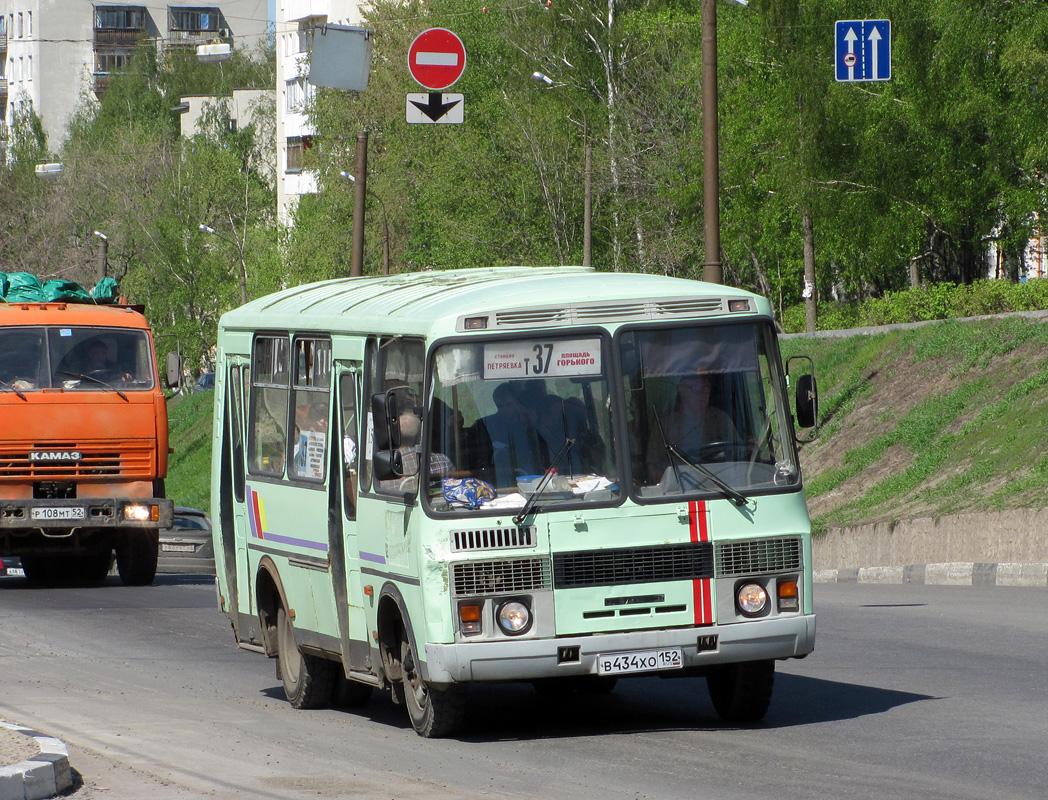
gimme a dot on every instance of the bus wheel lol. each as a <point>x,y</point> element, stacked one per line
<point>308,680</point>
<point>742,692</point>
<point>136,558</point>
<point>433,712</point>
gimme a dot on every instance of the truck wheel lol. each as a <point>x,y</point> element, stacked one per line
<point>94,567</point>
<point>433,712</point>
<point>309,681</point>
<point>38,570</point>
<point>136,558</point>
<point>742,692</point>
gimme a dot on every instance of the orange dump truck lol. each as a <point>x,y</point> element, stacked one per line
<point>83,441</point>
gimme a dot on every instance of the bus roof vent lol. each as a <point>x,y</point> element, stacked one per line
<point>690,306</point>
<point>532,316</point>
<point>474,539</point>
<point>609,311</point>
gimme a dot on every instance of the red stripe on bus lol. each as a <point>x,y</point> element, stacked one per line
<point>257,517</point>
<point>703,592</point>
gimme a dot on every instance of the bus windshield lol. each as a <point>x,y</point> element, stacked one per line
<point>75,358</point>
<point>505,413</point>
<point>706,412</point>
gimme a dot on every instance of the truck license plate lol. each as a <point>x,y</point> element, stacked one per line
<point>639,661</point>
<point>63,512</point>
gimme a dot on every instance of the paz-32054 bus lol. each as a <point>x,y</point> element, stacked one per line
<point>514,474</point>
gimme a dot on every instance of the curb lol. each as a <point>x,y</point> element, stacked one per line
<point>44,775</point>
<point>955,573</point>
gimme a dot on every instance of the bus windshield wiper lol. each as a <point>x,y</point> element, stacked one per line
<point>9,388</point>
<point>672,450</point>
<point>99,381</point>
<point>547,476</point>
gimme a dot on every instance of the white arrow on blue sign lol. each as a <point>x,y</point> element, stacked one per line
<point>864,50</point>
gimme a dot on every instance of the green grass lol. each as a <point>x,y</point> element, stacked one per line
<point>189,466</point>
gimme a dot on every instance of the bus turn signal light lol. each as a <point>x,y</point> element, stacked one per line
<point>788,599</point>
<point>469,618</point>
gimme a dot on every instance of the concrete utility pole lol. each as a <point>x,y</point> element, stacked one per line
<point>356,260</point>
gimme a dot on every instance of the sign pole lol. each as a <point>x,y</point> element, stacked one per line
<point>356,260</point>
<point>711,268</point>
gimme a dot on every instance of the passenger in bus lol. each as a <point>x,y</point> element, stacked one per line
<point>559,419</point>
<point>506,443</point>
<point>692,425</point>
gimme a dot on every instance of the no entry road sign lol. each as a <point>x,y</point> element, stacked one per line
<point>436,58</point>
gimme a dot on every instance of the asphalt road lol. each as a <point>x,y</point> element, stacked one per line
<point>913,691</point>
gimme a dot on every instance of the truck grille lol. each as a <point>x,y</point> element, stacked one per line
<point>127,459</point>
<point>505,576</point>
<point>758,556</point>
<point>672,562</point>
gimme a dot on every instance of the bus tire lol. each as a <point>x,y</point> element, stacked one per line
<point>433,712</point>
<point>742,692</point>
<point>308,680</point>
<point>136,558</point>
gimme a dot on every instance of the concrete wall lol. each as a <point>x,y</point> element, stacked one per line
<point>1015,536</point>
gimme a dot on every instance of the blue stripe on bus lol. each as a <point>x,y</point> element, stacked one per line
<point>372,557</point>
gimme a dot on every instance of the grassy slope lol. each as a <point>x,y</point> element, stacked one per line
<point>189,469</point>
<point>936,420</point>
<point>940,419</point>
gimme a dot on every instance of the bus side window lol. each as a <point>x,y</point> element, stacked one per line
<point>350,427</point>
<point>267,427</point>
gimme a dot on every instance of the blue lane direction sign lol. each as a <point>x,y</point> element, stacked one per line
<point>863,50</point>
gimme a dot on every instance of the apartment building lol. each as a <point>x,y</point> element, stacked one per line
<point>296,20</point>
<point>58,53</point>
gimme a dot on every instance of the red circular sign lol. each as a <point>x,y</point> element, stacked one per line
<point>850,59</point>
<point>436,58</point>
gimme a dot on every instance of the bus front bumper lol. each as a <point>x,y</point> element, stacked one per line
<point>531,659</point>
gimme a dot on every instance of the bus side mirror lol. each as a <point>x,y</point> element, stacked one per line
<point>386,417</point>
<point>806,400</point>
<point>174,369</point>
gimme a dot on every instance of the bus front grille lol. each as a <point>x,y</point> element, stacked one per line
<point>474,539</point>
<point>759,556</point>
<point>672,562</point>
<point>504,576</point>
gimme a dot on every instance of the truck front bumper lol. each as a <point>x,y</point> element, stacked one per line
<point>531,659</point>
<point>58,516</point>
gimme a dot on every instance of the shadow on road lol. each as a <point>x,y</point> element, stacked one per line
<point>512,711</point>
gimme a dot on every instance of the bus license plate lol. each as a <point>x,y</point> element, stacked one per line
<point>639,661</point>
<point>64,512</point>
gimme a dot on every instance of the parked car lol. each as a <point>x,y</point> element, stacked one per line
<point>186,546</point>
<point>9,565</point>
<point>205,383</point>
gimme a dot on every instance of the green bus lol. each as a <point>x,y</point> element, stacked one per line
<point>541,474</point>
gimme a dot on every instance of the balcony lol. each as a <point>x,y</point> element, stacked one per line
<point>127,37</point>
<point>194,38</point>
<point>101,83</point>
<point>3,42</point>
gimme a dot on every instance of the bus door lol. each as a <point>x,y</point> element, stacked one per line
<point>233,510</point>
<point>342,525</point>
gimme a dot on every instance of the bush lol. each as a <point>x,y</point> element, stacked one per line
<point>924,303</point>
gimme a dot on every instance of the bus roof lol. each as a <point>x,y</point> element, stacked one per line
<point>436,302</point>
<point>62,313</point>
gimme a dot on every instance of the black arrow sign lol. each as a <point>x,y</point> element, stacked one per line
<point>435,108</point>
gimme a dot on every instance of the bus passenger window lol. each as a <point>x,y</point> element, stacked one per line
<point>267,427</point>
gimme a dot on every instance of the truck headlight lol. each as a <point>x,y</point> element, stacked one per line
<point>142,513</point>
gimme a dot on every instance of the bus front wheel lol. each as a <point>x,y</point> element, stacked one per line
<point>308,680</point>
<point>742,692</point>
<point>433,712</point>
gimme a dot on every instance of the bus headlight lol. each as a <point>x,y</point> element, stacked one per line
<point>514,617</point>
<point>752,599</point>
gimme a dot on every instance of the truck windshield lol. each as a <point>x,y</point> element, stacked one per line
<point>501,413</point>
<point>75,359</point>
<point>705,411</point>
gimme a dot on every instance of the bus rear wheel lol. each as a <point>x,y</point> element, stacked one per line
<point>433,712</point>
<point>742,692</point>
<point>308,680</point>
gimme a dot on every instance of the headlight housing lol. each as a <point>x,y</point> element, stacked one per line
<point>514,617</point>
<point>751,599</point>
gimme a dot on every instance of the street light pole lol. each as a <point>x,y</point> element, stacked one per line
<point>711,268</point>
<point>102,264</point>
<point>587,175</point>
